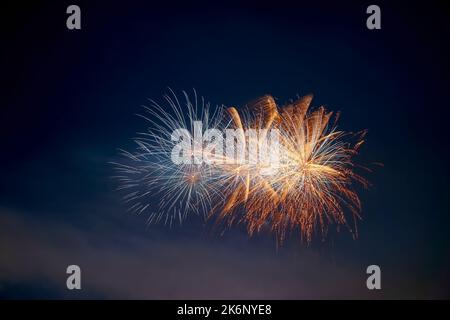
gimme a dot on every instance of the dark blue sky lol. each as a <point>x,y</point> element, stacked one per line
<point>67,104</point>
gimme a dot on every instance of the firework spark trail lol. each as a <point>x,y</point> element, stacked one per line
<point>310,186</point>
<point>149,173</point>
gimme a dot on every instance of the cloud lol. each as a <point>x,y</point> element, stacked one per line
<point>115,263</point>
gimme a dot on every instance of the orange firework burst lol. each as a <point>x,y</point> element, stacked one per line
<point>312,183</point>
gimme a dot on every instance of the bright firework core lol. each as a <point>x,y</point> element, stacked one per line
<point>273,168</point>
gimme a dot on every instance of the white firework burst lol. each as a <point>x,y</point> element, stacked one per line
<point>153,183</point>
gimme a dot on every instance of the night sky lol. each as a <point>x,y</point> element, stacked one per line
<point>68,101</point>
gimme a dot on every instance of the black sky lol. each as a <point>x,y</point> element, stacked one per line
<point>67,104</point>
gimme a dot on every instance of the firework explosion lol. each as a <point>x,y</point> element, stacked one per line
<point>309,187</point>
<point>149,173</point>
